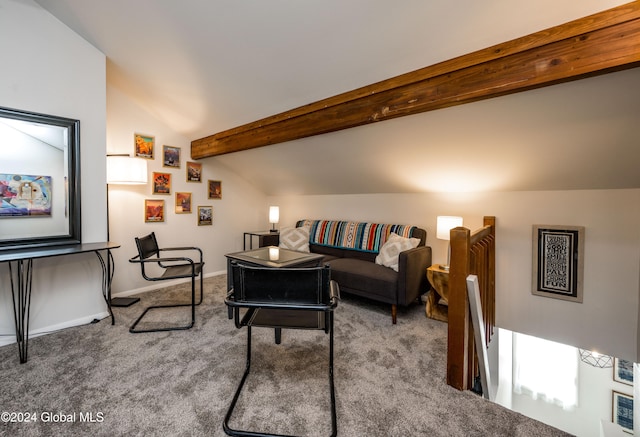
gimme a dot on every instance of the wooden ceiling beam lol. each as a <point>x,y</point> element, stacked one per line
<point>597,44</point>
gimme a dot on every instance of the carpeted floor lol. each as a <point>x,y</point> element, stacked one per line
<point>100,379</point>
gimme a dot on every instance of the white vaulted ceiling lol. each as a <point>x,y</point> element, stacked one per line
<point>203,66</point>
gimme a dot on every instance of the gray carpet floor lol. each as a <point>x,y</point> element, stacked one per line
<point>99,379</point>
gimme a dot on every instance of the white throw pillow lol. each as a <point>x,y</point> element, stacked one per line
<point>295,239</point>
<point>390,252</point>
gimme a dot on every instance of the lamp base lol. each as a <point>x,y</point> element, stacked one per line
<point>124,301</point>
<point>273,230</point>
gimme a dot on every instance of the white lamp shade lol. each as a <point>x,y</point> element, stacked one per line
<point>125,170</point>
<point>274,214</point>
<point>444,225</point>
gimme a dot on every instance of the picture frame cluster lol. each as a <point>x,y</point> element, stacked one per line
<point>162,183</point>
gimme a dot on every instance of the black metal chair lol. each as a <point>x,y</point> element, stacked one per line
<point>173,267</point>
<point>289,298</point>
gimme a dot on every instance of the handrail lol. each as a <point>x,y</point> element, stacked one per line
<point>481,234</point>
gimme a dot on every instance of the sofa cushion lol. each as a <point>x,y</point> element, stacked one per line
<point>295,239</point>
<point>390,252</point>
<point>356,274</point>
<point>334,252</point>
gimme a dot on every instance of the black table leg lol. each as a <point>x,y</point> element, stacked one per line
<point>107,276</point>
<point>21,295</point>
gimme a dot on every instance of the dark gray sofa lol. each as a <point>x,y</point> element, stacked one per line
<point>350,248</point>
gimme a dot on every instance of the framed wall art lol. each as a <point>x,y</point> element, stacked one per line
<point>194,172</point>
<point>623,411</point>
<point>558,262</point>
<point>215,189</point>
<point>205,215</point>
<point>183,203</point>
<point>171,156</point>
<point>144,146</point>
<point>153,210</point>
<point>623,371</point>
<point>161,183</point>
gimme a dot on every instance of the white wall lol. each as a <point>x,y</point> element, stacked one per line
<point>49,69</point>
<point>594,390</point>
<point>607,319</point>
<point>242,207</point>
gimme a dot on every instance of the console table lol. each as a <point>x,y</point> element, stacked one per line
<point>21,268</point>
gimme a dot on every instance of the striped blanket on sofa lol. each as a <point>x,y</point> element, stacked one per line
<point>362,236</point>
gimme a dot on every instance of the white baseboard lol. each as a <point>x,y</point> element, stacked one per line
<point>163,285</point>
<point>10,339</point>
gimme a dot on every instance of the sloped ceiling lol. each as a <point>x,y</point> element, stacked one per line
<point>202,66</point>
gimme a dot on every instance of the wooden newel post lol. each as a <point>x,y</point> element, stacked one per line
<point>458,337</point>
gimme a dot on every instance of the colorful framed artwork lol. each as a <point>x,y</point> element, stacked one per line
<point>171,156</point>
<point>215,189</point>
<point>205,215</point>
<point>25,195</point>
<point>161,183</point>
<point>153,210</point>
<point>623,371</point>
<point>183,203</point>
<point>194,172</point>
<point>623,411</point>
<point>558,262</point>
<point>143,146</point>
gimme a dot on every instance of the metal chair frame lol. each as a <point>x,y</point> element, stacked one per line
<point>266,305</point>
<point>174,267</point>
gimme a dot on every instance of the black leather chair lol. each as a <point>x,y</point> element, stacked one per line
<point>172,267</point>
<point>289,298</point>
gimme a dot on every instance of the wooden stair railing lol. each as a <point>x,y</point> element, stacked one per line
<point>471,254</point>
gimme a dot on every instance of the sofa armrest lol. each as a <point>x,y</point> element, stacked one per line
<point>412,274</point>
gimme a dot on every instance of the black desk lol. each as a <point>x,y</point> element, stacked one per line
<point>21,267</point>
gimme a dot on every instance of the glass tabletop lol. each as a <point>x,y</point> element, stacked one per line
<point>274,256</point>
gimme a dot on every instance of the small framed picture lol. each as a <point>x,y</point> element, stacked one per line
<point>171,156</point>
<point>205,215</point>
<point>153,210</point>
<point>143,146</point>
<point>215,189</point>
<point>623,371</point>
<point>161,183</point>
<point>623,411</point>
<point>558,262</point>
<point>183,203</point>
<point>194,172</point>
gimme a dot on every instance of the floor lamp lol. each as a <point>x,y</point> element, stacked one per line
<point>124,170</point>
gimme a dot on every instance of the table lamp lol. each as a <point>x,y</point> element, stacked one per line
<point>443,232</point>
<point>274,217</point>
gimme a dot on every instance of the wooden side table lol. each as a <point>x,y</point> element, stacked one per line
<point>438,299</point>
